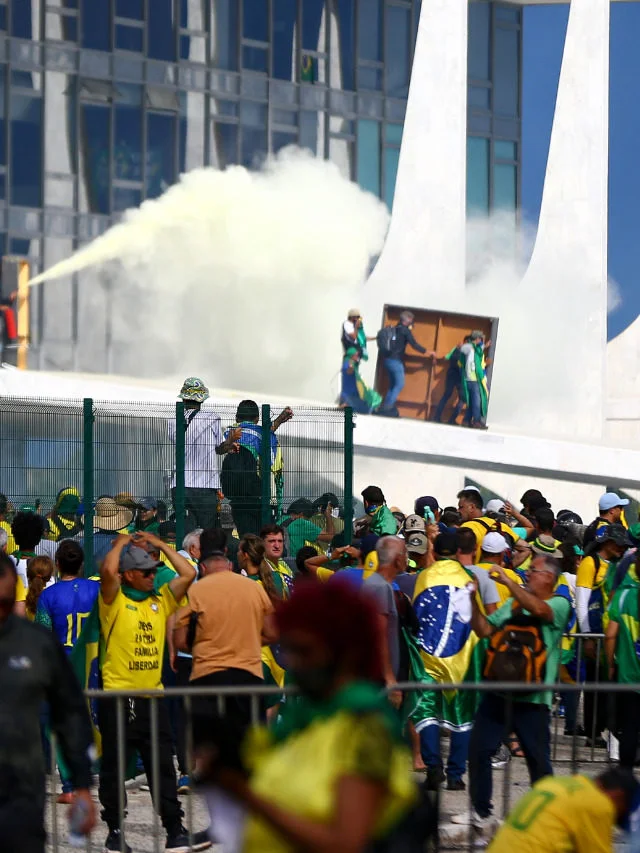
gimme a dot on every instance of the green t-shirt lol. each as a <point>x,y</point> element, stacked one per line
<point>624,610</point>
<point>552,637</point>
<point>164,575</point>
<point>383,522</point>
<point>301,530</point>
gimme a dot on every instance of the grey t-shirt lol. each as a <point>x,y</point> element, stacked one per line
<point>486,587</point>
<point>381,593</point>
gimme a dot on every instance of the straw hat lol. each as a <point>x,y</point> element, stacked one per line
<point>111,516</point>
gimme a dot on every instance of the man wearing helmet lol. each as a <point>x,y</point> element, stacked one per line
<point>203,445</point>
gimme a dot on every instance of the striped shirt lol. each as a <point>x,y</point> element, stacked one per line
<point>203,435</point>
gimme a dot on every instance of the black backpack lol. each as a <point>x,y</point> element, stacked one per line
<point>386,338</point>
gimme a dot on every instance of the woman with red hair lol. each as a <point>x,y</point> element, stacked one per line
<point>335,774</point>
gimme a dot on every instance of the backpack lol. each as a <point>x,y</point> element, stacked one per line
<point>386,337</point>
<point>517,652</point>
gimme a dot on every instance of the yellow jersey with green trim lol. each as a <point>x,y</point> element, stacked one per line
<point>560,814</point>
<point>134,636</point>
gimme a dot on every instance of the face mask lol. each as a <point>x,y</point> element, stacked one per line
<point>371,509</point>
<point>315,682</point>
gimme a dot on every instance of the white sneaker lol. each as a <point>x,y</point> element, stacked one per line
<point>464,819</point>
<point>472,817</point>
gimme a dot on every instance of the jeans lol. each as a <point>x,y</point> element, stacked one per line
<point>395,372</point>
<point>530,722</point>
<point>201,507</point>
<point>474,410</point>
<point>458,750</point>
<point>595,704</point>
<point>628,709</point>
<point>452,383</point>
<point>137,724</point>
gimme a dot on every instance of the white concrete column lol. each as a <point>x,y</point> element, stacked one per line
<point>425,249</point>
<point>569,262</point>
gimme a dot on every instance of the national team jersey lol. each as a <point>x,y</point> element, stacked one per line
<point>134,635</point>
<point>560,814</point>
<point>64,606</point>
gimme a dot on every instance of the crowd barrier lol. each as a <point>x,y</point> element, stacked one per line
<point>569,753</point>
<point>124,448</point>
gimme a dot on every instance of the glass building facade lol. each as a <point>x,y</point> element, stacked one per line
<point>105,102</point>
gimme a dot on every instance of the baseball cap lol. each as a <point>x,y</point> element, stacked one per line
<point>414,522</point>
<point>495,505</point>
<point>494,543</point>
<point>353,312</point>
<point>417,542</point>
<point>445,544</point>
<point>568,516</point>
<point>137,558</point>
<point>615,533</point>
<point>426,501</point>
<point>148,503</point>
<point>368,544</point>
<point>546,546</point>
<point>610,500</point>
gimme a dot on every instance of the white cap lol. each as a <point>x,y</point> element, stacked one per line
<point>609,500</point>
<point>494,543</point>
<point>496,505</point>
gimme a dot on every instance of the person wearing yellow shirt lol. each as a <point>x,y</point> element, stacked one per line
<point>133,619</point>
<point>592,599</point>
<point>492,552</point>
<point>569,813</point>
<point>10,544</point>
<point>472,512</point>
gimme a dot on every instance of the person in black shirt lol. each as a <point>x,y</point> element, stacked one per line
<point>392,343</point>
<point>34,670</point>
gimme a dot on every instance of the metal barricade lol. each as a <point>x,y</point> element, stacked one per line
<point>144,828</point>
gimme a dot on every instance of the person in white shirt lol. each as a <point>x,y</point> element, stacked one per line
<point>203,446</point>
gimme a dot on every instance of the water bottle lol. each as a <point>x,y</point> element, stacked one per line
<point>79,812</point>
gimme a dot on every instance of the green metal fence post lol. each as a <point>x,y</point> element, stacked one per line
<point>348,475</point>
<point>181,431</point>
<point>88,420</point>
<point>265,464</point>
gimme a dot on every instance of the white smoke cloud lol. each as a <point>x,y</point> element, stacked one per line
<point>243,277</point>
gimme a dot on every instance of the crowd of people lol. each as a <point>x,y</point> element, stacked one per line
<point>450,595</point>
<point>465,379</point>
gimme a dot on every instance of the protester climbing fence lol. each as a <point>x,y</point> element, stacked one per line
<point>130,451</point>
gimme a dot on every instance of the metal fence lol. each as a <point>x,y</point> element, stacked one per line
<point>138,450</point>
<point>569,753</point>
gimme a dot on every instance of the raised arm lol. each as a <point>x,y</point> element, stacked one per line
<point>284,416</point>
<point>522,520</point>
<point>231,442</point>
<point>536,606</point>
<point>186,572</point>
<point>328,534</point>
<point>110,569</point>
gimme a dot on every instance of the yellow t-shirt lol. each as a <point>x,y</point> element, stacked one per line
<point>587,575</point>
<point>21,590</point>
<point>324,575</point>
<point>482,526</point>
<point>11,542</point>
<point>503,592</point>
<point>560,814</point>
<point>134,635</point>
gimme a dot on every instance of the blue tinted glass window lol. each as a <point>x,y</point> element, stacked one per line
<point>477,174</point>
<point>160,163</point>
<point>255,20</point>
<point>3,17</point>
<point>96,24</point>
<point>370,78</point>
<point>479,41</point>
<point>224,34</point>
<point>479,97</point>
<point>312,11</point>
<point>3,115</point>
<point>504,186</point>
<point>160,32</point>
<point>281,138</point>
<point>26,150</point>
<point>397,65</point>
<point>393,133</point>
<point>342,41</point>
<point>309,132</point>
<point>505,72</point>
<point>507,13</point>
<point>368,155</point>
<point>127,153</point>
<point>391,158</point>
<point>504,150</point>
<point>21,19</point>
<point>94,139</point>
<point>370,29</point>
<point>124,198</point>
<point>129,38</point>
<point>253,142</point>
<point>130,9</point>
<point>255,59</point>
<point>284,28</point>
<point>225,140</point>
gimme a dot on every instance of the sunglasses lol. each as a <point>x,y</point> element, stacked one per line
<point>147,572</point>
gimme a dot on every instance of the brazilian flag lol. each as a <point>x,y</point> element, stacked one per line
<point>307,69</point>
